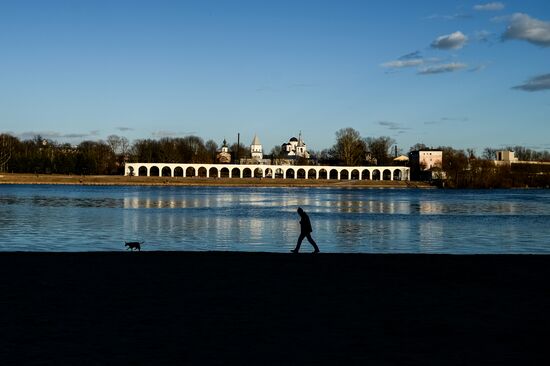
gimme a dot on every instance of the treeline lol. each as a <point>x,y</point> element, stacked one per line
<point>460,169</point>
<point>463,169</point>
<point>43,156</point>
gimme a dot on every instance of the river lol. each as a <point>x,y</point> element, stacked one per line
<point>101,218</point>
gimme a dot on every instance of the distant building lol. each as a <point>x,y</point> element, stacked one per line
<point>508,158</point>
<point>426,164</point>
<point>505,157</point>
<point>223,156</point>
<point>256,153</point>
<point>256,150</point>
<point>401,160</point>
<point>295,148</point>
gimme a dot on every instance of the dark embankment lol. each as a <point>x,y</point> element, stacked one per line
<point>281,309</point>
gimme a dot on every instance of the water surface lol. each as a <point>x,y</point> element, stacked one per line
<point>83,218</point>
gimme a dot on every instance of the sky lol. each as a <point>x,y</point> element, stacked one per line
<point>466,74</point>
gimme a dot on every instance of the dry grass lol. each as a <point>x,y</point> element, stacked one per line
<point>198,181</point>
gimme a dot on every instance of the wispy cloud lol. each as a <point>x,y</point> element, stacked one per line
<point>399,64</point>
<point>484,36</point>
<point>477,68</point>
<point>412,59</point>
<point>124,129</point>
<point>443,68</point>
<point>302,85</point>
<point>451,41</point>
<point>494,6</point>
<point>525,28</point>
<point>393,126</point>
<point>456,16</point>
<point>53,135</point>
<point>537,83</point>
<point>163,133</point>
<point>447,120</point>
<point>266,88</point>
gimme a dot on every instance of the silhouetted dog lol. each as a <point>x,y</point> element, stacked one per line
<point>133,245</point>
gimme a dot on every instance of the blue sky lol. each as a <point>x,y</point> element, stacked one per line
<point>467,74</point>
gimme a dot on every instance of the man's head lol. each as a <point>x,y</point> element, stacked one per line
<point>300,211</point>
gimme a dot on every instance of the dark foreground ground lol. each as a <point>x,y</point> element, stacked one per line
<point>280,309</point>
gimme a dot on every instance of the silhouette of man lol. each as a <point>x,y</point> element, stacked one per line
<point>305,232</point>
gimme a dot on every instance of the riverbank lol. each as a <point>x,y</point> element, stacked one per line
<point>119,180</point>
<point>164,308</point>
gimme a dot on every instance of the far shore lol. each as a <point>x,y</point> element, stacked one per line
<point>120,180</point>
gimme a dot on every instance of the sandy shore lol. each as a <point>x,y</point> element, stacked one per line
<point>196,181</point>
<point>163,308</point>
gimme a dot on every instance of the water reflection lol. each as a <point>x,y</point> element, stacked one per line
<point>204,218</point>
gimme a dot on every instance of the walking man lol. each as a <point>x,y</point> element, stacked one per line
<point>305,232</point>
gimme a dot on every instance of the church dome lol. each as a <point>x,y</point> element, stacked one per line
<point>293,139</point>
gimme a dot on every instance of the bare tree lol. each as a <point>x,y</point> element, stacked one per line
<point>212,150</point>
<point>379,149</point>
<point>350,149</point>
<point>5,151</point>
<point>114,143</point>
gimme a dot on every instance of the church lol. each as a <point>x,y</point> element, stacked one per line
<point>295,148</point>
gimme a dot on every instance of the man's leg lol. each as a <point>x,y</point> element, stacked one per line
<point>312,242</point>
<point>300,238</point>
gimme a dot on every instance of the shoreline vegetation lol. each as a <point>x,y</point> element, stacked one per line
<point>243,308</point>
<point>119,180</point>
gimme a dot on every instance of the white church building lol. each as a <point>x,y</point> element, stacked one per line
<point>295,148</point>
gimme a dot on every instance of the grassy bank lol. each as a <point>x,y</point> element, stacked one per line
<point>197,181</point>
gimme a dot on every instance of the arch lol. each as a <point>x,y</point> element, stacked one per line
<point>301,173</point>
<point>202,172</point>
<point>323,174</point>
<point>247,173</point>
<point>213,172</point>
<point>397,174</point>
<point>268,173</point>
<point>333,174</point>
<point>279,173</point>
<point>355,174</point>
<point>235,173</point>
<point>190,172</point>
<point>312,174</point>
<point>365,174</point>
<point>131,171</point>
<point>178,171</point>
<point>258,173</point>
<point>344,174</point>
<point>142,171</point>
<point>290,173</point>
<point>166,171</point>
<point>224,173</point>
<point>376,174</point>
<point>386,174</point>
<point>154,171</point>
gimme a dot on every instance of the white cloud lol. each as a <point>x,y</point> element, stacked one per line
<point>451,41</point>
<point>439,69</point>
<point>532,30</point>
<point>537,83</point>
<point>494,6</point>
<point>398,64</point>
